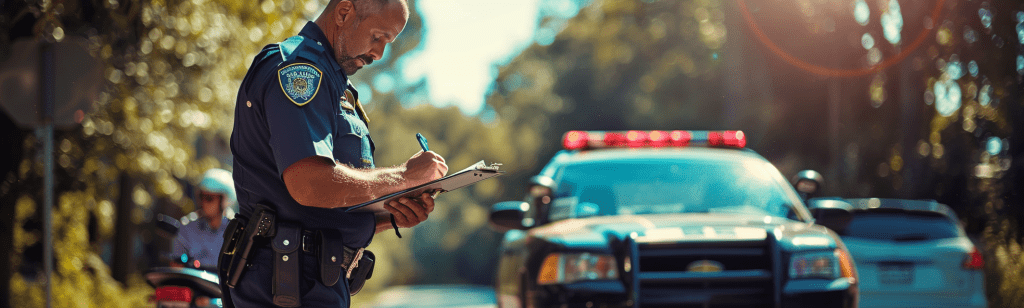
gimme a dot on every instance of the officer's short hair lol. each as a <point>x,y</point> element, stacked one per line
<point>366,8</point>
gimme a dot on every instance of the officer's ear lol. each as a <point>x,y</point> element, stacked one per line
<point>343,11</point>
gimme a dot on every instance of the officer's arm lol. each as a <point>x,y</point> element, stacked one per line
<point>320,182</point>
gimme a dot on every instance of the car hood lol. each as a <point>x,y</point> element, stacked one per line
<point>594,232</point>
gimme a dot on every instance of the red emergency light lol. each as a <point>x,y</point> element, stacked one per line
<point>578,140</point>
<point>173,294</point>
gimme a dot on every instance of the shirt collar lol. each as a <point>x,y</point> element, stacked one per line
<point>312,31</point>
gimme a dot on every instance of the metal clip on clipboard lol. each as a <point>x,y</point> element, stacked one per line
<point>465,177</point>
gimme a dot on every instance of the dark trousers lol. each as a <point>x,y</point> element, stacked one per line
<point>254,289</point>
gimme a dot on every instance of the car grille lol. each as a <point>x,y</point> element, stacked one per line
<point>745,279</point>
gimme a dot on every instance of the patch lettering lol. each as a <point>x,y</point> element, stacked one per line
<point>300,82</point>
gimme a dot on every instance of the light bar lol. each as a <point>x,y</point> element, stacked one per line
<point>581,140</point>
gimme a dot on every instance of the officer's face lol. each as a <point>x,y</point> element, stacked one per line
<point>210,204</point>
<point>363,41</point>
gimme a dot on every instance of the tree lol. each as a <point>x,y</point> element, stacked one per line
<point>173,68</point>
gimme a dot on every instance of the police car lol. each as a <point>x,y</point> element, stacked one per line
<point>667,219</point>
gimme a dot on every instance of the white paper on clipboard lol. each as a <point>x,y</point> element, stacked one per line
<point>477,172</point>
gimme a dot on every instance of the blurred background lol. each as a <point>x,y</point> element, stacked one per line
<point>886,98</point>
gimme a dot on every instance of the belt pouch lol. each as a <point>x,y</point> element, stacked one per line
<point>333,259</point>
<point>362,273</point>
<point>287,268</point>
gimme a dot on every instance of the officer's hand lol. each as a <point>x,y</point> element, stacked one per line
<point>410,212</point>
<point>424,167</point>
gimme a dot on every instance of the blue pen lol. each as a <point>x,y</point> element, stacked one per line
<point>423,142</point>
<point>423,145</point>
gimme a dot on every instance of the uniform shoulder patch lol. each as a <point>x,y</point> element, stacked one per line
<point>300,82</point>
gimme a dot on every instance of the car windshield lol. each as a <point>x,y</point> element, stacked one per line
<point>670,186</point>
<point>900,226</point>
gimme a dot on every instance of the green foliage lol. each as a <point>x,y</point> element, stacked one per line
<point>173,68</point>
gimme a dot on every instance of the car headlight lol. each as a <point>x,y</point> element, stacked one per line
<point>561,268</point>
<point>821,264</point>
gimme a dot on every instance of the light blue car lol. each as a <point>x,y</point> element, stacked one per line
<point>912,253</point>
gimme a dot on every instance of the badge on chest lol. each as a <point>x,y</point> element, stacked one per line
<point>346,102</point>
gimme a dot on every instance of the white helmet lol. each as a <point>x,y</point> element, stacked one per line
<point>219,181</point>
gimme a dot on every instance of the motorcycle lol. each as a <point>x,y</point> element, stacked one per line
<point>182,287</point>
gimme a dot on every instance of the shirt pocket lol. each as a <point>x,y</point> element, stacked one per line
<point>353,145</point>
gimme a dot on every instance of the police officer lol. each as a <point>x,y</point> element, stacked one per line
<point>199,241</point>
<point>302,150</point>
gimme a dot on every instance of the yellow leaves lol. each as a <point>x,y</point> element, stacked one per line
<point>24,208</point>
<point>169,187</point>
<point>114,75</point>
<point>255,34</point>
<point>81,282</point>
<point>105,218</point>
<point>30,295</point>
<point>657,29</point>
<point>712,29</point>
<point>24,168</point>
<point>146,162</point>
<point>141,196</point>
<point>896,160</point>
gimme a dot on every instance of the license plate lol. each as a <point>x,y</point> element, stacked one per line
<point>896,273</point>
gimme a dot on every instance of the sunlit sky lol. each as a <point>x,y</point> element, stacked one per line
<point>467,40</point>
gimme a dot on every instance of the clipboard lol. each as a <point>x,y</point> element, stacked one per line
<point>477,172</point>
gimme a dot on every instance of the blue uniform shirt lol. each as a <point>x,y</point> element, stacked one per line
<point>292,105</point>
<point>199,241</point>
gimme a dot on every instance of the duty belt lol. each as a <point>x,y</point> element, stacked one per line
<point>288,240</point>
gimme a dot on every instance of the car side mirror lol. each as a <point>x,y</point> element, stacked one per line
<point>808,183</point>
<point>831,213</point>
<point>541,187</point>
<point>509,215</point>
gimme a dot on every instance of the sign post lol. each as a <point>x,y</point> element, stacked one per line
<point>37,98</point>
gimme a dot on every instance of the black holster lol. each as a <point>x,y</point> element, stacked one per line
<point>222,264</point>
<point>240,238</point>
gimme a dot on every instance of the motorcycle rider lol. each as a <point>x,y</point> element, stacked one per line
<point>198,242</point>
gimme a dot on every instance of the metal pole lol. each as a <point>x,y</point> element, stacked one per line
<point>46,113</point>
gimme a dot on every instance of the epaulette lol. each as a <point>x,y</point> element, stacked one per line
<point>300,47</point>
